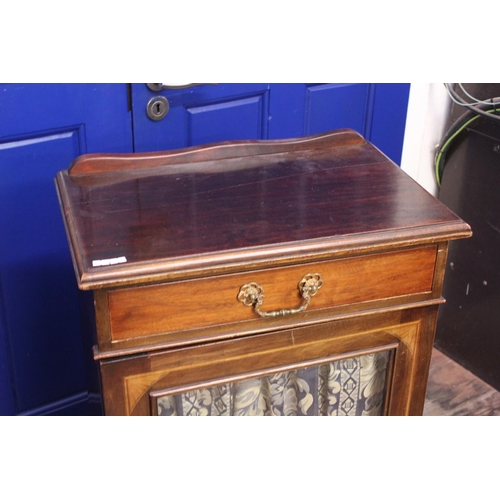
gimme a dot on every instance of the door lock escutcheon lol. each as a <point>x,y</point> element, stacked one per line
<point>157,108</point>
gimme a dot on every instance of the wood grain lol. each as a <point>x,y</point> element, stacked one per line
<point>230,214</point>
<point>182,306</point>
<point>165,240</point>
<point>130,381</point>
<point>105,163</point>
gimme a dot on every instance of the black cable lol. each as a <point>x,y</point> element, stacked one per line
<point>473,107</point>
<point>458,126</point>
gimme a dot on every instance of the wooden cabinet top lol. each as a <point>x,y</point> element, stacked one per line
<point>227,207</point>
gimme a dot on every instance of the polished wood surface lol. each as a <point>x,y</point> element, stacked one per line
<point>142,377</point>
<point>103,163</point>
<point>166,240</point>
<point>233,213</point>
<point>143,311</point>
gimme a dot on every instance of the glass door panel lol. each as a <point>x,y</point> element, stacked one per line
<point>354,386</point>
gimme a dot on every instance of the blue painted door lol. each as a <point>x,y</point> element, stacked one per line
<point>211,113</point>
<point>42,129</point>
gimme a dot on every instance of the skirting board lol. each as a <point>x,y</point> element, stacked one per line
<point>81,404</point>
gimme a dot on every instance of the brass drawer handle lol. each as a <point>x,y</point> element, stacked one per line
<point>252,294</point>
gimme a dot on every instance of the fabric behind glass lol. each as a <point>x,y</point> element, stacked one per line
<point>354,386</point>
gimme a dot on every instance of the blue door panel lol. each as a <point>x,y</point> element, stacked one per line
<point>102,109</point>
<point>216,113</point>
<point>390,105</point>
<point>40,299</point>
<point>244,118</point>
<point>334,106</point>
<point>287,110</point>
<point>42,129</point>
<point>227,107</point>
<point>7,386</point>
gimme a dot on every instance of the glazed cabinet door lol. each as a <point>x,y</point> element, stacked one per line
<point>353,366</point>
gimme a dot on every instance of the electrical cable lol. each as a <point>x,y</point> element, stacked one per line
<point>475,99</point>
<point>474,107</point>
<point>457,127</point>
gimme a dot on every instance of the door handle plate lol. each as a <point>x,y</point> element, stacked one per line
<point>158,87</point>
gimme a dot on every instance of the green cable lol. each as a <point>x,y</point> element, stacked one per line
<point>446,144</point>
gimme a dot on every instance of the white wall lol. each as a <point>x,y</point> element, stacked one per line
<point>428,108</point>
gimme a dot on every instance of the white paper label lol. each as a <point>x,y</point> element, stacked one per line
<point>109,262</point>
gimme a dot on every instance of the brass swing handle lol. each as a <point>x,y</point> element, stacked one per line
<point>252,294</point>
<point>157,87</point>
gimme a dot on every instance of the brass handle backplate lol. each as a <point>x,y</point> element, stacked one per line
<point>252,294</point>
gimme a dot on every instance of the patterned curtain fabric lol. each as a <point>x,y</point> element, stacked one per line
<point>354,386</point>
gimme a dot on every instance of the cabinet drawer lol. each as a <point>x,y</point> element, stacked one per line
<point>182,306</point>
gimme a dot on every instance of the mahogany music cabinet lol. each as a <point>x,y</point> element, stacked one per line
<point>289,277</point>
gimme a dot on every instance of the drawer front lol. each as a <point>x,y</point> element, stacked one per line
<point>194,304</point>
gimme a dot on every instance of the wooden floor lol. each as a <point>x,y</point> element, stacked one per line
<point>452,390</point>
